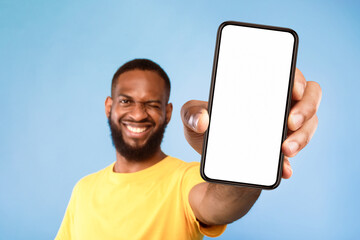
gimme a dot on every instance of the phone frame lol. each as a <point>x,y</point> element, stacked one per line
<point>288,103</point>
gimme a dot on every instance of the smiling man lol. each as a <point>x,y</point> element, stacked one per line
<point>146,194</point>
<point>138,113</point>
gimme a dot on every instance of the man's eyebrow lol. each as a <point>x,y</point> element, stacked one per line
<point>149,101</point>
<point>153,101</point>
<point>124,95</point>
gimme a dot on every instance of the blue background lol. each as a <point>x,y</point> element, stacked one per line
<point>57,59</point>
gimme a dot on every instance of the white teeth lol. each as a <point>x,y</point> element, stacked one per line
<point>135,129</point>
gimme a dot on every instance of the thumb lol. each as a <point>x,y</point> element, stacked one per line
<point>199,121</point>
<point>195,116</point>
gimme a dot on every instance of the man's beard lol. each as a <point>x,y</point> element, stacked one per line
<point>136,153</point>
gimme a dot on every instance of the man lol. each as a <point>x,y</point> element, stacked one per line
<point>146,194</point>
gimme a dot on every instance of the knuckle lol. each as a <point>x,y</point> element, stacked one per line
<point>299,75</point>
<point>316,86</point>
<point>315,124</point>
<point>300,79</point>
<point>310,109</point>
<point>305,139</point>
<point>187,104</point>
<point>316,120</point>
<point>185,108</point>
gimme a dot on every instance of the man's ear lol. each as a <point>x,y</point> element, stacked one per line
<point>169,108</point>
<point>108,105</point>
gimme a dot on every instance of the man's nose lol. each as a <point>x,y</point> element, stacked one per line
<point>138,112</point>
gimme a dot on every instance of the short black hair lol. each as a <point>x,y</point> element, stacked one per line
<point>142,64</point>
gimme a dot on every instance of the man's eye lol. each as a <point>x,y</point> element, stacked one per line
<point>124,101</point>
<point>154,106</point>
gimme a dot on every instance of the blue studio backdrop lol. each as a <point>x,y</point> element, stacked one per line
<point>57,59</point>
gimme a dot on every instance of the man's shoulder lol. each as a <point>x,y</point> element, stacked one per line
<point>183,163</point>
<point>183,166</point>
<point>93,177</point>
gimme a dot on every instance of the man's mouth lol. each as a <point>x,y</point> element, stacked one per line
<point>136,129</point>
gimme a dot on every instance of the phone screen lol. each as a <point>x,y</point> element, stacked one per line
<point>249,101</point>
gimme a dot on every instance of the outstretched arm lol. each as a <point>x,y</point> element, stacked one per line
<point>215,204</point>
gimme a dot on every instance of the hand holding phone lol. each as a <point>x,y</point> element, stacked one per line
<point>249,102</point>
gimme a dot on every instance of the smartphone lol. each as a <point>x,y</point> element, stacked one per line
<point>249,102</point>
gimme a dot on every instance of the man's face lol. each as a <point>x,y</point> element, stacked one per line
<point>138,114</point>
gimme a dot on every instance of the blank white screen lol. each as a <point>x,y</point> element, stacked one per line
<point>249,105</point>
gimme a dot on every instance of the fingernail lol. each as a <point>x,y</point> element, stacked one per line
<point>194,120</point>
<point>297,120</point>
<point>293,146</point>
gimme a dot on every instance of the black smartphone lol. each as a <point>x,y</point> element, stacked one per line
<point>249,102</point>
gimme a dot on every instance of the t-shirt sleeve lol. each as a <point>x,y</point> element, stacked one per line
<point>68,220</point>
<point>190,179</point>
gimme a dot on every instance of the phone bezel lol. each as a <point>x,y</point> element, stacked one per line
<point>288,102</point>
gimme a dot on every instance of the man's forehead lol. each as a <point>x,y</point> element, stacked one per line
<point>142,83</point>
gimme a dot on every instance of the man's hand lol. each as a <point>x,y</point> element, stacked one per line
<point>220,204</point>
<point>302,121</point>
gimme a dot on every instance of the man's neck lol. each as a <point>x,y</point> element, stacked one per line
<point>123,165</point>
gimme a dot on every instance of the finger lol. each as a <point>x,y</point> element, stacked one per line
<point>195,116</point>
<point>299,139</point>
<point>287,170</point>
<point>306,108</point>
<point>299,85</point>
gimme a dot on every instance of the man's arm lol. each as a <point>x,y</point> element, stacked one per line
<point>215,204</point>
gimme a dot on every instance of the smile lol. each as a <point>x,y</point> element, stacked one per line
<point>136,129</point>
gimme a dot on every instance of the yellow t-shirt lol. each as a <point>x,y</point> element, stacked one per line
<point>149,204</point>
